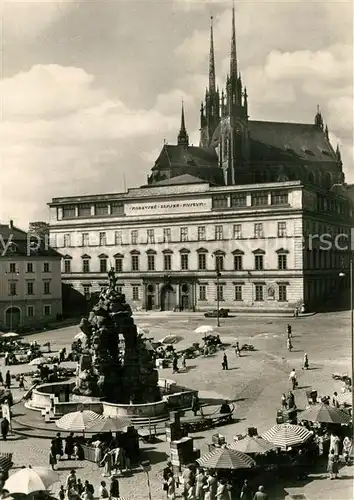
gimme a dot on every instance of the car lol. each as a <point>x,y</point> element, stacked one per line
<point>223,313</point>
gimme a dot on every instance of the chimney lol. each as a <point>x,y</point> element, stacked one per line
<point>11,224</point>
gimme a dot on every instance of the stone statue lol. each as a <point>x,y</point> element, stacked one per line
<point>106,372</point>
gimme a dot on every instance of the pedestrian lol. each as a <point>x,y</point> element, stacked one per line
<point>98,451</point>
<point>61,493</point>
<point>71,481</point>
<point>52,455</point>
<point>5,426</point>
<point>211,487</point>
<point>334,444</point>
<point>89,487</point>
<point>7,358</point>
<point>284,402</point>
<point>103,492</point>
<point>195,404</point>
<point>114,489</point>
<point>107,461</point>
<point>347,449</point>
<point>292,378</point>
<point>291,401</point>
<point>171,487</point>
<point>1,379</point>
<point>246,492</point>
<point>221,492</point>
<point>8,379</point>
<point>79,486</point>
<point>335,401</point>
<point>225,363</point>
<point>59,445</point>
<point>200,481</point>
<point>69,446</point>
<point>305,365</point>
<point>21,384</point>
<point>183,361</point>
<point>332,467</point>
<point>175,368</point>
<point>289,345</point>
<point>237,349</point>
<point>289,331</point>
<point>87,493</point>
<point>260,495</point>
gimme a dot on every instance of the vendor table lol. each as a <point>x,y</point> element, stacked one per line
<point>196,422</point>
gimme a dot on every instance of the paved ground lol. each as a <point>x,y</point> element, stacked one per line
<point>255,382</point>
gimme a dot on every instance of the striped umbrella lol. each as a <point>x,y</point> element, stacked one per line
<point>224,458</point>
<point>109,425</point>
<point>325,414</point>
<point>78,421</point>
<point>252,445</point>
<point>345,398</point>
<point>285,435</point>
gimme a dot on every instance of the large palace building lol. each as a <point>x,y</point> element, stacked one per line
<point>233,221</point>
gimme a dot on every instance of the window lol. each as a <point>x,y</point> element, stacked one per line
<point>258,230</point>
<point>219,232</point>
<point>282,293</point>
<point>29,267</point>
<point>47,310</point>
<point>151,262</point>
<point>101,209</point>
<point>220,201</point>
<point>184,234</point>
<point>118,237</point>
<point>202,261</point>
<point>46,287</point>
<point>12,267</point>
<point>134,237</point>
<point>184,261</point>
<point>103,265</point>
<point>30,288</point>
<point>120,289</point>
<point>69,211</point>
<point>219,292</point>
<point>150,236</point>
<point>237,231</point>
<point>238,263</point>
<point>238,292</point>
<point>85,265</point>
<point>67,266</point>
<point>258,262</point>
<point>30,311</point>
<point>259,293</point>
<point>67,240</point>
<point>279,198</point>
<point>46,268</point>
<point>282,261</point>
<point>135,289</point>
<point>281,229</point>
<point>219,262</point>
<point>118,264</point>
<point>135,262</point>
<point>260,198</point>
<point>201,233</point>
<point>84,210</point>
<point>13,288</point>
<point>117,208</point>
<point>85,239</point>
<point>238,200</point>
<point>102,239</point>
<point>202,292</point>
<point>167,262</point>
<point>87,291</point>
<point>166,235</point>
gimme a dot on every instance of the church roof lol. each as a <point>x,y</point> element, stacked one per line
<point>277,141</point>
<point>181,179</point>
<point>177,155</point>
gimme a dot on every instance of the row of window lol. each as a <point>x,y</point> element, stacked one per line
<point>30,268</point>
<point>47,311</point>
<point>185,235</point>
<point>13,288</point>
<point>326,204</point>
<point>88,209</point>
<point>184,262</point>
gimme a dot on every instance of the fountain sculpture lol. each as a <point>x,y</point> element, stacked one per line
<point>106,370</point>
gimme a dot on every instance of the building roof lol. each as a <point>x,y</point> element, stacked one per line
<point>181,180</point>
<point>282,141</point>
<point>178,155</point>
<point>16,242</point>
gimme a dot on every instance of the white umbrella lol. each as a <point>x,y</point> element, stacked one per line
<point>42,360</point>
<point>80,336</point>
<point>204,329</point>
<point>171,339</point>
<point>9,335</point>
<point>78,420</point>
<point>29,480</point>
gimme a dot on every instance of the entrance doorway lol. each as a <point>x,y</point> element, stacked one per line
<point>13,317</point>
<point>150,298</point>
<point>168,298</point>
<point>184,297</point>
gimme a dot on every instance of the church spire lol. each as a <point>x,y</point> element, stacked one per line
<point>233,57</point>
<point>211,59</point>
<point>183,138</point>
<point>318,118</point>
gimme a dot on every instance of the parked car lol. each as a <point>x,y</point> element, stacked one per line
<point>213,313</point>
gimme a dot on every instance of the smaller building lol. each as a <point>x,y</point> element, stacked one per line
<point>30,284</point>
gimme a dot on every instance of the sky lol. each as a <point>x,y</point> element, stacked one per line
<point>90,90</point>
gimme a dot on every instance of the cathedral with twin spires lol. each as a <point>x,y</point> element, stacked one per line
<point>235,150</point>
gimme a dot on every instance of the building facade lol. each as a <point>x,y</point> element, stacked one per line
<point>30,285</point>
<point>191,245</point>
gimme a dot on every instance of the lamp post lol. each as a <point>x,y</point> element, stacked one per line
<point>147,468</point>
<point>12,274</point>
<point>351,281</point>
<point>218,274</point>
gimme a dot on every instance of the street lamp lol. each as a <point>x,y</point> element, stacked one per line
<point>218,275</point>
<point>351,281</point>
<point>12,274</point>
<point>147,468</point>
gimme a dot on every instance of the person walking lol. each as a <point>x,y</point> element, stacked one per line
<point>59,445</point>
<point>347,449</point>
<point>284,403</point>
<point>260,494</point>
<point>195,404</point>
<point>8,379</point>
<point>291,400</point>
<point>225,363</point>
<point>184,361</point>
<point>332,467</point>
<point>52,455</point>
<point>238,350</point>
<point>292,378</point>
<point>200,481</point>
<point>211,487</point>
<point>289,344</point>
<point>175,368</point>
<point>21,383</point>
<point>305,364</point>
<point>171,487</point>
<point>246,492</point>
<point>5,426</point>
<point>69,445</point>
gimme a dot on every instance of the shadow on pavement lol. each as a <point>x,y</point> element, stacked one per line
<point>154,456</point>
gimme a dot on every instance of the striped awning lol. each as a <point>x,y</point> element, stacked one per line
<point>286,435</point>
<point>224,458</point>
<point>78,420</point>
<point>253,445</point>
<point>325,414</point>
<point>6,461</point>
<point>345,398</point>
